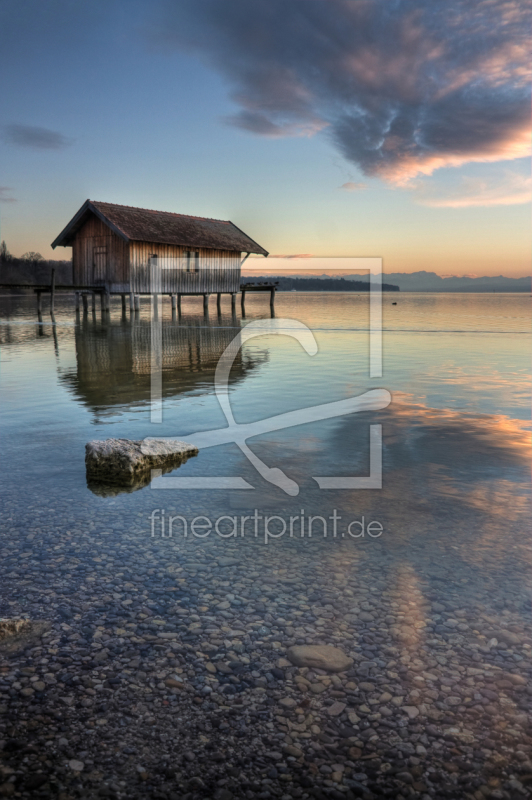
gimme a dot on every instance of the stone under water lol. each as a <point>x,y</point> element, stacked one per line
<point>13,627</point>
<point>124,461</point>
<point>318,656</point>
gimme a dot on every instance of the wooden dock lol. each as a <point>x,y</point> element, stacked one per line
<point>85,293</point>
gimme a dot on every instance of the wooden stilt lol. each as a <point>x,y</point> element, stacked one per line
<point>179,304</point>
<point>131,301</point>
<point>93,302</point>
<point>123,304</point>
<point>233,303</point>
<point>137,302</point>
<point>107,299</point>
<point>39,303</point>
<point>205,303</point>
<point>272,301</point>
<point>219,302</point>
<point>52,292</point>
<point>174,301</point>
<point>243,302</point>
<point>85,300</point>
<point>76,294</point>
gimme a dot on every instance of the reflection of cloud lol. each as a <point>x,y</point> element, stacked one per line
<point>504,391</point>
<point>462,443</point>
<point>5,195</point>
<point>428,450</point>
<point>509,190</point>
<point>36,138</point>
<point>353,187</point>
<point>402,88</point>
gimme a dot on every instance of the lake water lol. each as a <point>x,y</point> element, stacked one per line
<point>444,591</point>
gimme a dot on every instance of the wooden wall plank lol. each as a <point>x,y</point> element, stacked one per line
<point>219,270</point>
<point>95,233</point>
<point>128,264</point>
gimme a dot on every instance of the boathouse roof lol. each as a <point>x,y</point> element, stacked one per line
<point>161,227</point>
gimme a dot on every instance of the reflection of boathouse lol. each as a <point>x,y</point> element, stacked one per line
<point>114,361</point>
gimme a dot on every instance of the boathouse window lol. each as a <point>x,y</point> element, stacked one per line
<point>192,261</point>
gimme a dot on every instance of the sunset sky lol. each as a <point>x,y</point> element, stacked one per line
<point>394,128</point>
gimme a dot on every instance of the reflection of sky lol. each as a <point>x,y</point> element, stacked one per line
<point>457,398</point>
<point>455,502</point>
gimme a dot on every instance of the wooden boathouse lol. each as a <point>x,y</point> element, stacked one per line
<point>119,249</point>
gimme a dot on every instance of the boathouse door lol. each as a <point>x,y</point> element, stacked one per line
<point>99,265</point>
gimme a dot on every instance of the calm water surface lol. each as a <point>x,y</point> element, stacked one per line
<point>455,437</point>
<point>455,499</point>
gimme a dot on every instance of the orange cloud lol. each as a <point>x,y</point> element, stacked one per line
<point>512,189</point>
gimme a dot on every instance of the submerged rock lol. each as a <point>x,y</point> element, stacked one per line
<point>13,627</point>
<point>124,462</point>
<point>324,657</point>
<point>18,633</point>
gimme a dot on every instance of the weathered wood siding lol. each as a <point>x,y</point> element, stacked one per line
<point>100,257</point>
<point>219,270</point>
<point>87,248</point>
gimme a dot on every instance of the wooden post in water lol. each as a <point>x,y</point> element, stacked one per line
<point>85,303</point>
<point>243,302</point>
<point>52,292</point>
<point>179,304</point>
<point>107,298</point>
<point>233,303</point>
<point>137,302</point>
<point>219,303</point>
<point>39,303</point>
<point>94,302</point>
<point>205,304</point>
<point>272,301</point>
<point>77,302</point>
<point>123,304</point>
<point>131,301</point>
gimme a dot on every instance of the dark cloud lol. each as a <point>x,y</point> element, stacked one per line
<point>402,87</point>
<point>5,195</point>
<point>36,138</point>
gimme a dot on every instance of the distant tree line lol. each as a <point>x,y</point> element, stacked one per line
<point>31,268</point>
<point>318,284</point>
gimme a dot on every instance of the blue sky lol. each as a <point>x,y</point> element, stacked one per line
<point>156,105</point>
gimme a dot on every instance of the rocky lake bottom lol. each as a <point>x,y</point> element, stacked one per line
<point>163,670</point>
<point>164,667</point>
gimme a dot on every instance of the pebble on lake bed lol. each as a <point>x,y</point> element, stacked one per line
<point>326,657</point>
